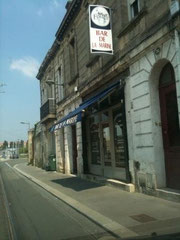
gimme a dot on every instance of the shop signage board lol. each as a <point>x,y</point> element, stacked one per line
<point>68,121</point>
<point>100,28</point>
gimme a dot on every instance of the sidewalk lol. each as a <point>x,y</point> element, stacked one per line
<point>126,215</point>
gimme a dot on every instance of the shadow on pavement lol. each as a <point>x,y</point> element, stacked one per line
<point>76,184</point>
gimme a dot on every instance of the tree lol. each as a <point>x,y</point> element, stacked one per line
<point>21,144</point>
<point>5,144</point>
<point>11,144</point>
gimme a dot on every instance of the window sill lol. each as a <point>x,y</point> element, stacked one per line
<point>133,22</point>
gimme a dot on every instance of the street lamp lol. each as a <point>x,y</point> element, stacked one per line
<point>27,123</point>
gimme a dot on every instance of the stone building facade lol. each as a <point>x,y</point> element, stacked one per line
<point>129,102</point>
<point>30,146</point>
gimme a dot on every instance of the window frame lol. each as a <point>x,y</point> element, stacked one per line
<point>130,8</point>
<point>59,80</point>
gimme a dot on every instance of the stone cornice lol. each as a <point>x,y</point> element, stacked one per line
<point>50,54</point>
<point>68,18</point>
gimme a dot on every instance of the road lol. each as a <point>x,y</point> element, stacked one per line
<point>36,214</point>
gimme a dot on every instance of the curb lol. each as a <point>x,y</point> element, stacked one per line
<point>114,228</point>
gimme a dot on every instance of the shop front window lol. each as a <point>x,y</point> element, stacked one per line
<point>119,138</point>
<point>106,144</point>
<point>104,116</point>
<point>94,108</point>
<point>104,104</point>
<point>116,96</point>
<point>95,140</point>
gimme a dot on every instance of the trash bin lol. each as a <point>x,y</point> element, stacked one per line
<point>52,162</point>
<point>47,168</point>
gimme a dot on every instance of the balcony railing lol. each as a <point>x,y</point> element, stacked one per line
<point>48,109</point>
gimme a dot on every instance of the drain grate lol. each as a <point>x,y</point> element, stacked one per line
<point>143,218</point>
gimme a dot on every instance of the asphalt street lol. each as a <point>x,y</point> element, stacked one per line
<point>36,214</point>
<point>4,221</point>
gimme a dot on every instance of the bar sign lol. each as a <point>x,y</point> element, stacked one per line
<point>100,29</point>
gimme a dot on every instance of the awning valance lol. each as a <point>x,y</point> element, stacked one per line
<point>75,116</point>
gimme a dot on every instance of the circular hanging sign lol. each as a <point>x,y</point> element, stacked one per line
<point>100,16</point>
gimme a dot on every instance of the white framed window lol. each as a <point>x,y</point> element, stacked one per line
<point>43,96</point>
<point>134,8</point>
<point>60,84</point>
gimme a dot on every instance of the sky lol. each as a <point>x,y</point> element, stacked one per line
<point>27,31</point>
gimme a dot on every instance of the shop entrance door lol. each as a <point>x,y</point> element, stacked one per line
<point>170,126</point>
<point>121,167</point>
<point>106,143</point>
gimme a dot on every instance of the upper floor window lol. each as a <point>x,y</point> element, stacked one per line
<point>60,84</point>
<point>73,58</point>
<point>43,96</point>
<point>134,8</point>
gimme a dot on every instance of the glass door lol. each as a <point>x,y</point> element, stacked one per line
<point>106,144</point>
<point>119,143</point>
<point>105,139</point>
<point>95,140</point>
<point>94,150</point>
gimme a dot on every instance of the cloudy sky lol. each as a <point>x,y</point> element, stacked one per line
<point>27,31</point>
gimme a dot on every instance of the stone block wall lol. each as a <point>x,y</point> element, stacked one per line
<point>147,165</point>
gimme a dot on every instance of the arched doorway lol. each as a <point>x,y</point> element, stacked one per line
<point>170,126</point>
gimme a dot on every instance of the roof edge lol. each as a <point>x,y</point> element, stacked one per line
<point>71,12</point>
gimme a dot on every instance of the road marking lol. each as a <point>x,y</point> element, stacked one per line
<point>8,164</point>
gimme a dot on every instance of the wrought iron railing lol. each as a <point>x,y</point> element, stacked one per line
<point>48,108</point>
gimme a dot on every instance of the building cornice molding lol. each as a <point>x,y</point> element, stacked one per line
<point>49,56</point>
<point>68,18</point>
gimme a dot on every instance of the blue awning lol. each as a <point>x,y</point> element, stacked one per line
<point>75,116</point>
